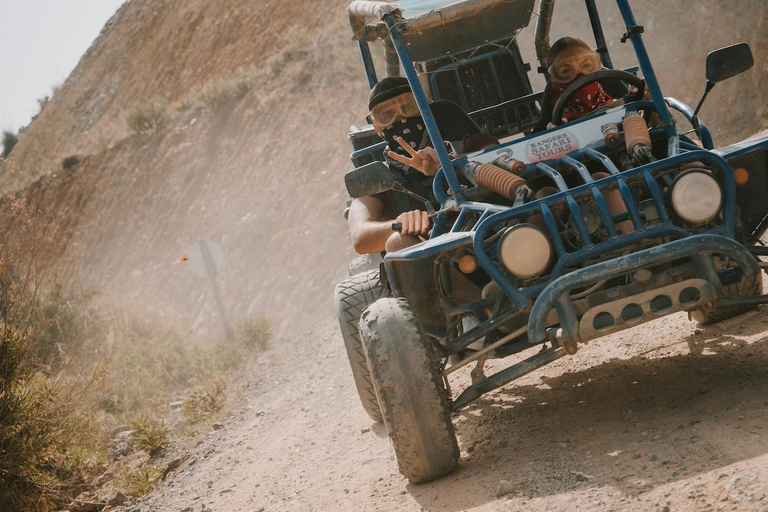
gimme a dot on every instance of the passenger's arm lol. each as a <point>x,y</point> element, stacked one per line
<point>370,231</point>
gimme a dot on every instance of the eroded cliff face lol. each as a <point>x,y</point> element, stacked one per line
<point>256,99</point>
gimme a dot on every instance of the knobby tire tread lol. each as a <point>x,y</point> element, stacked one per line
<point>413,397</point>
<point>353,295</point>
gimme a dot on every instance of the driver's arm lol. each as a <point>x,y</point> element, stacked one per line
<point>370,231</point>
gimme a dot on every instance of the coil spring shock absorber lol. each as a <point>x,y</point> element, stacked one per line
<point>637,138</point>
<point>494,178</point>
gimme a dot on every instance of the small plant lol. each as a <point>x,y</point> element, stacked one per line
<point>9,141</point>
<point>141,481</point>
<point>150,436</point>
<point>180,106</point>
<point>204,401</point>
<point>70,162</point>
<point>145,120</point>
<point>218,93</point>
<point>254,333</point>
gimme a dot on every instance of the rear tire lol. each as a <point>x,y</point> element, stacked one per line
<point>746,287</point>
<point>412,394</point>
<point>364,263</point>
<point>352,296</point>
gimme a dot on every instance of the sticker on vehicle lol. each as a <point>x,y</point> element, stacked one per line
<point>552,146</point>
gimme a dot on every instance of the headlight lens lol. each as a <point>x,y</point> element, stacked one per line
<point>525,250</point>
<point>696,196</point>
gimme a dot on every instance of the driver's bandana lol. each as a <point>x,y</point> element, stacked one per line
<point>385,113</point>
<point>587,99</point>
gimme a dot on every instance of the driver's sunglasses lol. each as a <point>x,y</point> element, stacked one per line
<point>386,112</point>
<point>565,70</point>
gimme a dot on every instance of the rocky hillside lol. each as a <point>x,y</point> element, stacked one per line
<point>246,106</point>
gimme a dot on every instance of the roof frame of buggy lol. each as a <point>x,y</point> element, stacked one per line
<point>420,29</point>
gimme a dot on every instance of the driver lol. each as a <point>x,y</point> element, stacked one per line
<point>571,58</point>
<point>411,156</point>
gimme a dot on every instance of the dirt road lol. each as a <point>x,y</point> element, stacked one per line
<point>665,417</point>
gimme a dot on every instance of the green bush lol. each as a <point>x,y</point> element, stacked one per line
<point>141,481</point>
<point>70,162</point>
<point>35,429</point>
<point>149,435</point>
<point>9,141</point>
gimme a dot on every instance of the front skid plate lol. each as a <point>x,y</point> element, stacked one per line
<point>644,307</point>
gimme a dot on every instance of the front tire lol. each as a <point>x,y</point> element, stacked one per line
<point>352,296</point>
<point>414,400</point>
<point>746,287</point>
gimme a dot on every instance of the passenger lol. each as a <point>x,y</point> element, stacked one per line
<point>411,156</point>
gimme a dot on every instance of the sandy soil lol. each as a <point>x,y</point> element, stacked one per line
<point>667,416</point>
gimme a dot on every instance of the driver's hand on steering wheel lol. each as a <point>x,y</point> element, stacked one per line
<point>552,125</point>
<point>646,92</point>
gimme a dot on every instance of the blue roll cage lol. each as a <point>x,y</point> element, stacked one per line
<point>447,172</point>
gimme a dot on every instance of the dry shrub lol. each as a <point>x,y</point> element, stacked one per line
<point>68,374</point>
<point>217,93</point>
<point>43,403</point>
<point>144,120</point>
<point>254,333</point>
<point>204,401</point>
<point>149,364</point>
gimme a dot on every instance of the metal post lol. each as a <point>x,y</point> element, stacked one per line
<point>210,269</point>
<point>370,69</point>
<point>423,103</point>
<point>597,30</point>
<point>633,34</point>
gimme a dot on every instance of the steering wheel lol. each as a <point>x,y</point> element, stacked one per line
<point>605,74</point>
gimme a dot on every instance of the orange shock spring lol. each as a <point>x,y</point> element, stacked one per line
<point>635,132</point>
<point>498,180</point>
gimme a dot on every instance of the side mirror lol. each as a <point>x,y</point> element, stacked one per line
<point>370,179</point>
<point>728,62</point>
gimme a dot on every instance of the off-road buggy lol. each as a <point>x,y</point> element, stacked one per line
<point>538,276</point>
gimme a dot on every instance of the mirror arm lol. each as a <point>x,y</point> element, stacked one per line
<point>695,116</point>
<point>709,87</point>
<point>399,188</point>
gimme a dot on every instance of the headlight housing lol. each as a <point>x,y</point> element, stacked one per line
<point>525,250</point>
<point>696,196</point>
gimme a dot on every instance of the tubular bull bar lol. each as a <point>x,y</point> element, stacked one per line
<point>699,248</point>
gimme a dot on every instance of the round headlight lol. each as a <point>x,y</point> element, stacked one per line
<point>696,196</point>
<point>525,250</point>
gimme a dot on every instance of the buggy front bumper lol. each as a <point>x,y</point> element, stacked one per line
<point>700,248</point>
